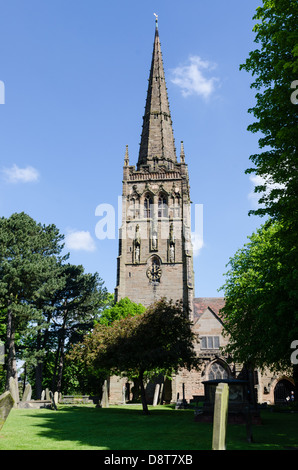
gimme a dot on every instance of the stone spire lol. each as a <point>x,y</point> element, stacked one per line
<point>157,145</point>
<point>126,157</point>
<point>182,154</point>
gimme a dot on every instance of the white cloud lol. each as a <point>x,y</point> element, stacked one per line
<point>197,243</point>
<point>20,175</point>
<point>260,181</point>
<point>79,240</point>
<point>192,79</point>
<point>252,196</point>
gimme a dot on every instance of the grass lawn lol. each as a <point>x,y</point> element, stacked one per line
<point>126,428</point>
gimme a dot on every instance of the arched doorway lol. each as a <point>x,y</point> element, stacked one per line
<point>283,391</point>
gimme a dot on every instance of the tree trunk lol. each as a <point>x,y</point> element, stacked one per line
<point>59,362</point>
<point>251,385</point>
<point>11,366</point>
<point>143,395</point>
<point>41,345</point>
<point>60,369</point>
<point>54,378</point>
<point>38,370</point>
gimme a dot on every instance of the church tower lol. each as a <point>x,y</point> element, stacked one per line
<point>155,251</point>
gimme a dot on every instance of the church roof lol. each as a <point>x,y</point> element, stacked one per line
<point>201,304</point>
<point>157,140</point>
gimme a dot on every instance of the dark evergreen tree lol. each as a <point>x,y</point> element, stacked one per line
<point>27,251</point>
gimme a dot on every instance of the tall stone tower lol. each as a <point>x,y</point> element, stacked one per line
<point>155,250</point>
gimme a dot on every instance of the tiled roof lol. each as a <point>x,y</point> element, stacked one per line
<point>202,303</point>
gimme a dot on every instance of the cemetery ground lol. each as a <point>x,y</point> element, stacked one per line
<point>84,427</point>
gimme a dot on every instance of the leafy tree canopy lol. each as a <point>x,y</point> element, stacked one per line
<point>122,309</point>
<point>274,66</point>
<point>260,313</point>
<point>140,346</point>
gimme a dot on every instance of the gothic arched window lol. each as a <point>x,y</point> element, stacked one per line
<point>162,206</point>
<point>148,202</point>
<point>217,371</point>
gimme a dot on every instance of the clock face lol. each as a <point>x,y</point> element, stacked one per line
<point>154,271</point>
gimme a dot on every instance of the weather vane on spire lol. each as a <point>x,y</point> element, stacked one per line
<point>156,19</point>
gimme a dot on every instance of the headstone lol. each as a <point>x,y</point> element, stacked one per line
<point>161,394</point>
<point>48,394</point>
<point>220,417</point>
<point>156,394</point>
<point>27,393</point>
<point>105,396</point>
<point>52,400</point>
<point>56,398</point>
<point>43,394</point>
<point>6,403</point>
<point>14,391</point>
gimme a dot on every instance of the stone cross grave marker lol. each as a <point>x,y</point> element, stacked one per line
<point>220,417</point>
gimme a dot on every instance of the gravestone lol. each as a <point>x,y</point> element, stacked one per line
<point>48,397</point>
<point>27,393</point>
<point>56,398</point>
<point>52,400</point>
<point>105,395</point>
<point>161,394</point>
<point>43,394</point>
<point>156,394</point>
<point>14,391</point>
<point>6,403</point>
<point>220,417</point>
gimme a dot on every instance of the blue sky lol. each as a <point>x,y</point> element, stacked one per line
<point>75,81</point>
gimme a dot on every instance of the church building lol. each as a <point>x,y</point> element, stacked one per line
<point>155,256</point>
<point>155,250</point>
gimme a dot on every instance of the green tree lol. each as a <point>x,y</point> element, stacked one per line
<point>2,344</point>
<point>39,339</point>
<point>138,347</point>
<point>274,65</point>
<point>122,309</point>
<point>260,312</point>
<point>26,252</point>
<point>77,307</point>
<point>261,290</point>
